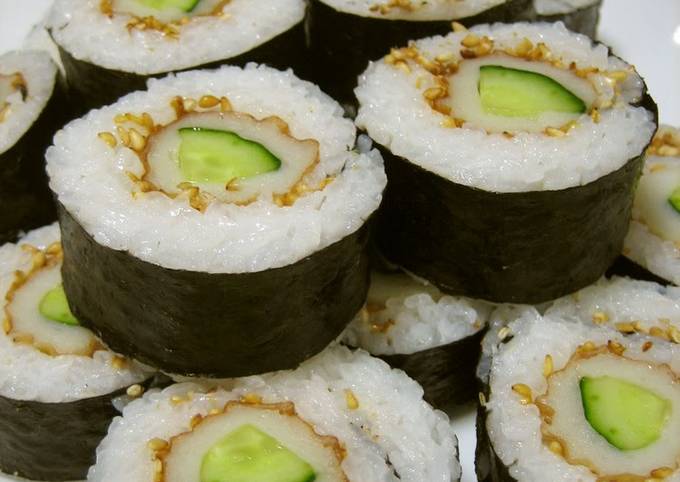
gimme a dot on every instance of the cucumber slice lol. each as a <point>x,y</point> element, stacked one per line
<point>628,416</point>
<point>214,156</point>
<point>249,455</point>
<point>184,5</point>
<point>54,306</point>
<point>520,93</point>
<point>674,199</point>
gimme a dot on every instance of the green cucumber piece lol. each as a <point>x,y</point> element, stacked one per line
<point>214,156</point>
<point>520,93</point>
<point>249,455</point>
<point>674,199</point>
<point>628,416</point>
<point>184,5</point>
<point>54,306</point>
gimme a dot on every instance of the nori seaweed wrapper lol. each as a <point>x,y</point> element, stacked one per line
<point>446,373</point>
<point>94,86</point>
<point>25,197</point>
<point>55,441</point>
<point>488,466</point>
<point>583,20</point>
<point>342,44</point>
<point>519,247</point>
<point>624,266</point>
<point>223,325</point>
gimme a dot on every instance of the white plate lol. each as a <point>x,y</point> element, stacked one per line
<point>644,33</point>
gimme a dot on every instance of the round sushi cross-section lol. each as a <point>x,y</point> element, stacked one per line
<point>30,111</point>
<point>433,337</point>
<point>110,48</point>
<point>228,209</point>
<point>512,152</point>
<point>654,237</point>
<point>566,399</point>
<point>341,416</point>
<point>58,382</point>
<point>345,35</point>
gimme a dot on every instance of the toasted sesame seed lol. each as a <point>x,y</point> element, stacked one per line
<point>503,333</point>
<point>351,399</point>
<point>109,138</point>
<point>662,472</point>
<point>600,317</point>
<point>225,105</point>
<point>547,365</point>
<point>251,398</point>
<point>482,399</point>
<point>471,40</point>
<point>208,101</point>
<point>157,444</point>
<point>524,391</point>
<point>626,327</point>
<point>556,447</point>
<point>647,346</point>
<point>137,140</point>
<point>657,332</point>
<point>195,420</point>
<point>553,132</point>
<point>615,347</point>
<point>135,390</point>
<point>458,27</point>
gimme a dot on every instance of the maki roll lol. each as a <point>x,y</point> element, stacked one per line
<point>111,47</point>
<point>578,15</point>
<point>345,34</point>
<point>31,110</point>
<point>340,416</point>
<point>569,400</point>
<point>58,382</point>
<point>516,148</point>
<point>227,209</point>
<point>653,241</point>
<point>433,337</point>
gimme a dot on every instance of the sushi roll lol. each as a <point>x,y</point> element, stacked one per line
<point>340,416</point>
<point>512,153</point>
<point>345,34</point>
<point>31,109</point>
<point>566,399</point>
<point>653,241</point>
<point>227,210</point>
<point>58,383</point>
<point>435,338</point>
<point>111,47</point>
<point>578,15</point>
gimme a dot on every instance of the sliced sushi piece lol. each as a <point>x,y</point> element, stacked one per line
<point>568,400</point>
<point>512,153</point>
<point>31,109</point>
<point>433,337</point>
<point>346,34</point>
<point>340,416</point>
<point>130,41</point>
<point>228,209</point>
<point>580,16</point>
<point>58,382</point>
<point>653,241</point>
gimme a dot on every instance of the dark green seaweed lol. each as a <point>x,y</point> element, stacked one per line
<point>342,44</point>
<point>520,247</point>
<point>488,466</point>
<point>224,325</point>
<point>25,198</point>
<point>54,441</point>
<point>583,20</point>
<point>624,266</point>
<point>446,373</point>
<point>94,86</point>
